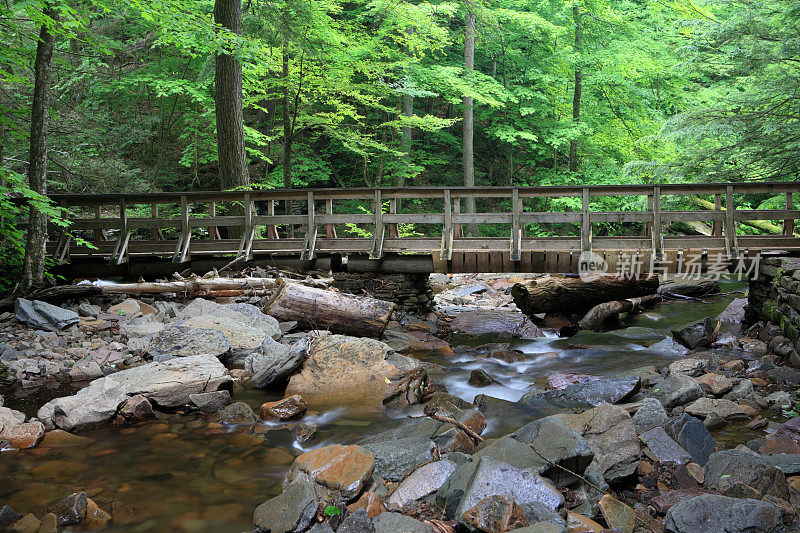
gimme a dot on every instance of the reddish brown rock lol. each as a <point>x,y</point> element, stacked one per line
<point>495,514</point>
<point>370,501</point>
<point>340,468</point>
<point>715,384</point>
<point>96,518</point>
<point>137,409</point>
<point>429,343</point>
<point>578,523</point>
<point>780,444</point>
<point>25,435</point>
<point>663,502</point>
<point>286,409</point>
<point>561,380</point>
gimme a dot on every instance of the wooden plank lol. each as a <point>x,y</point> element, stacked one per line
<point>612,260</point>
<point>447,231</point>
<point>310,239</point>
<point>496,262</point>
<point>458,230</point>
<point>716,225</point>
<point>564,262</point>
<point>458,262</point>
<point>393,230</point>
<point>586,224</point>
<point>378,233</point>
<point>672,261</point>
<point>658,230</point>
<point>439,265</point>
<point>507,265</point>
<point>470,261</point>
<point>538,260</point>
<point>550,261</point>
<point>525,261</point>
<point>330,229</point>
<point>731,243</point>
<point>483,264</point>
<point>516,226</point>
<point>788,224</point>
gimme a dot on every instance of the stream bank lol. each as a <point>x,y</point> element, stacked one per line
<point>188,468</point>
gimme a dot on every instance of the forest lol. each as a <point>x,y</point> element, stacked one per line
<point>165,95</point>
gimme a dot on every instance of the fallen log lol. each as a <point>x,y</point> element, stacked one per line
<point>602,315</point>
<point>763,225</point>
<point>556,294</point>
<point>338,312</point>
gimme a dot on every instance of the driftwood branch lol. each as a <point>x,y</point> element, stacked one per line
<point>604,313</point>
<point>430,412</point>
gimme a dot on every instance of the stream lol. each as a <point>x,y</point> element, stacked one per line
<point>182,474</point>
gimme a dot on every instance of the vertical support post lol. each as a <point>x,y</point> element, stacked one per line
<point>330,229</point>
<point>377,236</point>
<point>658,232</point>
<point>648,226</point>
<point>310,240</point>
<point>99,234</point>
<point>788,224</point>
<point>119,255</point>
<point>716,226</point>
<point>246,244</point>
<point>272,230</point>
<point>182,247</point>
<point>156,232</point>
<point>446,252</point>
<point>731,242</point>
<point>394,232</point>
<point>62,247</point>
<point>213,231</point>
<point>516,229</point>
<point>586,222</point>
<point>458,230</point>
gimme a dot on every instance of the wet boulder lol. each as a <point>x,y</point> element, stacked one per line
<point>136,409</point>
<point>649,415</point>
<point>590,393</point>
<point>711,513</point>
<point>726,409</point>
<point>729,467</point>
<point>734,313</point>
<point>90,407</point>
<point>479,378</point>
<point>394,459</point>
<point>493,322</point>
<point>422,482</point>
<point>185,341</point>
<point>42,315</point>
<point>242,338</point>
<point>553,441</point>
<point>292,511</point>
<point>662,448</point>
<point>690,433</point>
<point>350,370</point>
<point>399,522</point>
<point>237,414</point>
<point>609,431</point>
<point>210,402</point>
<point>495,513</point>
<point>71,510</point>
<point>344,469</point>
<point>678,389</point>
<point>695,335</point>
<point>562,380</point>
<point>275,362</point>
<point>285,409</point>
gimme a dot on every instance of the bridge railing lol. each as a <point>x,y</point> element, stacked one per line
<point>255,216</point>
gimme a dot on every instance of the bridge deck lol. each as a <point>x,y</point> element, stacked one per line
<point>178,227</point>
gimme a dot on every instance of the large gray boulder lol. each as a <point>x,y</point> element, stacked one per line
<point>693,436</point>
<point>591,393</point>
<point>275,363</point>
<point>166,384</point>
<point>243,339</point>
<point>241,312</point>
<point>42,315</point>
<point>397,522</point>
<point>552,439</point>
<point>290,512</point>
<point>678,389</point>
<point>495,478</point>
<point>422,482</point>
<point>710,513</point>
<point>649,415</point>
<point>728,467</point>
<point>394,459</point>
<point>185,341</point>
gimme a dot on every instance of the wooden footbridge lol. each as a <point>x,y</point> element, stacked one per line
<point>417,228</point>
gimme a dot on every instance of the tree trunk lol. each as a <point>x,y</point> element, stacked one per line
<point>335,311</point>
<point>233,170</point>
<point>287,135</point>
<point>576,96</point>
<point>469,127</point>
<point>606,315</point>
<point>763,225</point>
<point>34,263</point>
<point>693,290</point>
<point>555,294</point>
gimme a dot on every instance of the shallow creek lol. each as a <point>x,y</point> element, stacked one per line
<point>182,475</point>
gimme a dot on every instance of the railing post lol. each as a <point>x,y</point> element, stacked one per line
<point>586,222</point>
<point>155,232</point>
<point>330,229</point>
<point>119,255</point>
<point>62,248</point>
<point>213,231</point>
<point>272,230</point>
<point>648,226</point>
<point>377,236</point>
<point>516,229</point>
<point>788,224</point>
<point>246,244</point>
<point>716,226</point>
<point>310,240</point>
<point>658,232</point>
<point>182,247</point>
<point>446,252</point>
<point>458,230</point>
<point>99,234</point>
<point>394,232</point>
<point>731,242</point>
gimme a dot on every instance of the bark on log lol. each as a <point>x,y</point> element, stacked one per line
<point>325,309</point>
<point>690,289</point>
<point>556,294</point>
<point>603,315</point>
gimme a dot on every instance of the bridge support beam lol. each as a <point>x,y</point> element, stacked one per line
<point>657,231</point>
<point>586,222</point>
<point>310,241</point>
<point>377,236</point>
<point>516,227</point>
<point>446,252</point>
<point>120,253</point>
<point>731,241</point>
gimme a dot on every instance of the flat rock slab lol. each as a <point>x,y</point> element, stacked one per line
<point>703,407</point>
<point>275,363</point>
<point>242,338</point>
<point>292,511</point>
<point>502,323</point>
<point>663,448</point>
<point>185,341</point>
<point>711,513</point>
<point>422,482</point>
<point>394,459</point>
<point>690,433</point>
<point>678,389</point>
<point>610,432</point>
<point>618,516</point>
<point>591,393</point>
<point>695,335</point>
<point>42,315</point>
<point>649,415</point>
<point>241,312</point>
<point>553,439</point>
<point>340,468</point>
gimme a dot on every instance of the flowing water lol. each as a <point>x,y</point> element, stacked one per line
<point>183,475</point>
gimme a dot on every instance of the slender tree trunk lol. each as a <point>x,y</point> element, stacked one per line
<point>469,127</point>
<point>576,96</point>
<point>287,134</point>
<point>233,170</point>
<point>34,262</point>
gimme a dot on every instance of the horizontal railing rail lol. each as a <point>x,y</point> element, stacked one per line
<point>254,214</point>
